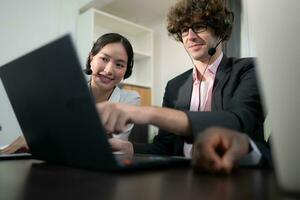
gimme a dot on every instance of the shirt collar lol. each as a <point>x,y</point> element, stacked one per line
<point>212,68</point>
<point>116,95</point>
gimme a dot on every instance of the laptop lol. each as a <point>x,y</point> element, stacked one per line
<point>276,39</point>
<point>57,114</point>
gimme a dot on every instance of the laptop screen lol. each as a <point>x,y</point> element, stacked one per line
<point>274,27</point>
<point>54,107</point>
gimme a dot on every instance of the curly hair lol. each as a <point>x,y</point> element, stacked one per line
<point>213,13</point>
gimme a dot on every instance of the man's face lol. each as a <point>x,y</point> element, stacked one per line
<point>197,40</point>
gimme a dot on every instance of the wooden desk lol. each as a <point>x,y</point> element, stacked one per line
<point>31,179</point>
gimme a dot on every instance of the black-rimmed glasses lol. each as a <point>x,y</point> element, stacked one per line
<point>197,27</point>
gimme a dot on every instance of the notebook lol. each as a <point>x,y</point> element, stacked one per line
<point>57,114</point>
<point>276,39</point>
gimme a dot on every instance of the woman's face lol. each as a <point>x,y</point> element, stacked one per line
<point>109,66</point>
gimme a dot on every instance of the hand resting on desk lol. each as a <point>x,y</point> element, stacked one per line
<point>17,146</point>
<point>218,149</point>
<point>20,146</point>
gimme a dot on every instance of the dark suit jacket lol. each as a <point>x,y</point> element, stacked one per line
<point>236,104</point>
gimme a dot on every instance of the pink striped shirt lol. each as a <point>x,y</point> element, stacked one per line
<point>202,101</point>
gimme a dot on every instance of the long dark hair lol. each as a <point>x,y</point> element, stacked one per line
<point>112,38</point>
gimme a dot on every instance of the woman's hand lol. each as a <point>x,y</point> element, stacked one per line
<point>17,146</point>
<point>124,147</point>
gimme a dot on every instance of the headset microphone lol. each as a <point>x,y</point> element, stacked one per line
<point>88,71</point>
<point>213,50</point>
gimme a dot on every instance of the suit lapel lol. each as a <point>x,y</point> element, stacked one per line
<point>185,91</point>
<point>221,78</point>
<point>184,94</point>
<point>183,103</point>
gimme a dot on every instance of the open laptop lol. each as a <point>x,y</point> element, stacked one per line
<point>57,114</point>
<point>276,39</point>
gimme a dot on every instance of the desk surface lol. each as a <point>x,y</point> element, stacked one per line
<point>31,179</point>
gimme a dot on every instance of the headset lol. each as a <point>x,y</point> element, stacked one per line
<point>112,38</point>
<point>128,72</point>
<point>227,24</point>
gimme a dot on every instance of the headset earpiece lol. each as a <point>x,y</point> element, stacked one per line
<point>88,71</point>
<point>129,69</point>
<point>227,23</point>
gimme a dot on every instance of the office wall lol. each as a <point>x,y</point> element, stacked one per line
<point>170,58</point>
<point>24,26</point>
<point>247,44</point>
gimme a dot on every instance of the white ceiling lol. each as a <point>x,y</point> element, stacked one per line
<point>140,11</point>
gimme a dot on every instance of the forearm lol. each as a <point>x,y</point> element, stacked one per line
<point>202,120</point>
<point>170,120</point>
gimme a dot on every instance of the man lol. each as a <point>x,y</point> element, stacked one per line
<point>217,91</point>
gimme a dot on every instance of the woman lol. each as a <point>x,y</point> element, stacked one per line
<point>109,62</point>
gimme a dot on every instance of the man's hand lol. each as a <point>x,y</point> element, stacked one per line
<point>116,116</point>
<point>122,146</point>
<point>218,149</point>
<point>19,145</point>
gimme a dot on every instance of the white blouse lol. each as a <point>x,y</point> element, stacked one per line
<point>127,97</point>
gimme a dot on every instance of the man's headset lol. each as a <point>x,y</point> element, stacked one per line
<point>227,24</point>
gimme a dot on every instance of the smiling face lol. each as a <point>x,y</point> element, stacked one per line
<point>109,66</point>
<point>198,44</point>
